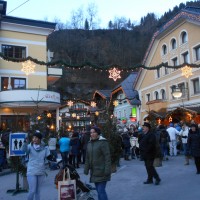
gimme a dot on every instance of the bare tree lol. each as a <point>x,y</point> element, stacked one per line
<point>77,19</point>
<point>92,11</point>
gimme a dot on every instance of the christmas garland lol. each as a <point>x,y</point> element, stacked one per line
<point>63,63</point>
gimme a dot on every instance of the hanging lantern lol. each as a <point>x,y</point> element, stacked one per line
<point>159,121</point>
<point>38,117</point>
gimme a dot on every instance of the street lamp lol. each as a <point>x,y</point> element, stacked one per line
<point>176,92</point>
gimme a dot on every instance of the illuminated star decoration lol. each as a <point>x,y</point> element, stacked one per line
<point>114,74</point>
<point>49,115</point>
<point>28,67</point>
<point>93,104</point>
<point>115,103</point>
<point>186,71</point>
<point>70,103</point>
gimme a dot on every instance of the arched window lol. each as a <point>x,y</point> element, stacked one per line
<point>156,95</point>
<point>164,49</point>
<point>183,37</point>
<point>163,94</point>
<point>173,43</point>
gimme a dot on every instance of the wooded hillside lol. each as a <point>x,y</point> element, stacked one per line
<point>123,45</point>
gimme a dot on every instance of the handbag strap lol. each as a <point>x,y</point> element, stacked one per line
<point>68,174</point>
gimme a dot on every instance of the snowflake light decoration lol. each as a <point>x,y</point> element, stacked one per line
<point>186,71</point>
<point>93,104</point>
<point>115,103</point>
<point>114,74</point>
<point>70,103</point>
<point>28,67</point>
<point>49,115</point>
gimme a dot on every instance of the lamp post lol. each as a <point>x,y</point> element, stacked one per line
<point>176,92</point>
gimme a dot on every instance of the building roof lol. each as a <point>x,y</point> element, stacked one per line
<point>105,94</point>
<point>191,14</point>
<point>23,21</point>
<point>127,87</point>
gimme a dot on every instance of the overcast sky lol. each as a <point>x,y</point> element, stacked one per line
<point>107,9</point>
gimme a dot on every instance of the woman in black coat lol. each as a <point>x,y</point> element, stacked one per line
<point>194,145</point>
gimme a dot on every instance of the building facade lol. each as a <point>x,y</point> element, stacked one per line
<point>23,93</point>
<point>176,43</point>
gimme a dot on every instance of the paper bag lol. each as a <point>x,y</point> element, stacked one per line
<point>67,188</point>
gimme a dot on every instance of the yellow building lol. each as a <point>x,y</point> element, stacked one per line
<point>23,92</point>
<point>177,42</point>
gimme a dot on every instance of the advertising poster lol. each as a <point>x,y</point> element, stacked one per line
<point>16,141</point>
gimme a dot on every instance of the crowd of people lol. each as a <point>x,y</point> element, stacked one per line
<point>145,143</point>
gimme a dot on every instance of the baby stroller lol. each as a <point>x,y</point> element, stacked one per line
<point>54,163</point>
<point>83,191</point>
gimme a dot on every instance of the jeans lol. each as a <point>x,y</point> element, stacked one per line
<point>172,146</point>
<point>185,149</point>
<point>164,148</point>
<point>35,184</point>
<point>64,156</point>
<point>101,190</point>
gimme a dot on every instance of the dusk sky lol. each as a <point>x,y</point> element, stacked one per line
<point>107,9</point>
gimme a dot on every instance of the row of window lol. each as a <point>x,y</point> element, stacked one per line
<point>12,51</point>
<point>195,84</point>
<point>173,42</point>
<point>13,83</point>
<point>175,62</point>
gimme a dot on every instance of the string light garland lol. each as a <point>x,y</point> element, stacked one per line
<point>63,63</point>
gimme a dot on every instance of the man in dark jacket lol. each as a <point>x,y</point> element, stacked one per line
<point>147,145</point>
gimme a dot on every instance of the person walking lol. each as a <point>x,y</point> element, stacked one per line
<point>37,152</point>
<point>75,146</point>
<point>173,142</point>
<point>194,145</point>
<point>64,144</point>
<point>184,137</point>
<point>147,145</point>
<point>98,162</point>
<point>85,138</point>
<point>164,142</point>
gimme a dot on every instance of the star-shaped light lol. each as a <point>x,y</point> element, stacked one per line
<point>70,103</point>
<point>115,103</point>
<point>186,71</point>
<point>73,114</point>
<point>114,74</point>
<point>93,104</point>
<point>49,115</point>
<point>28,67</point>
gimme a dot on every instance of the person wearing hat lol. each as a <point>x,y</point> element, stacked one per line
<point>194,145</point>
<point>147,145</point>
<point>37,152</point>
<point>98,162</point>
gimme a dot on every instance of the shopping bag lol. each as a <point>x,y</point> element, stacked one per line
<point>67,188</point>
